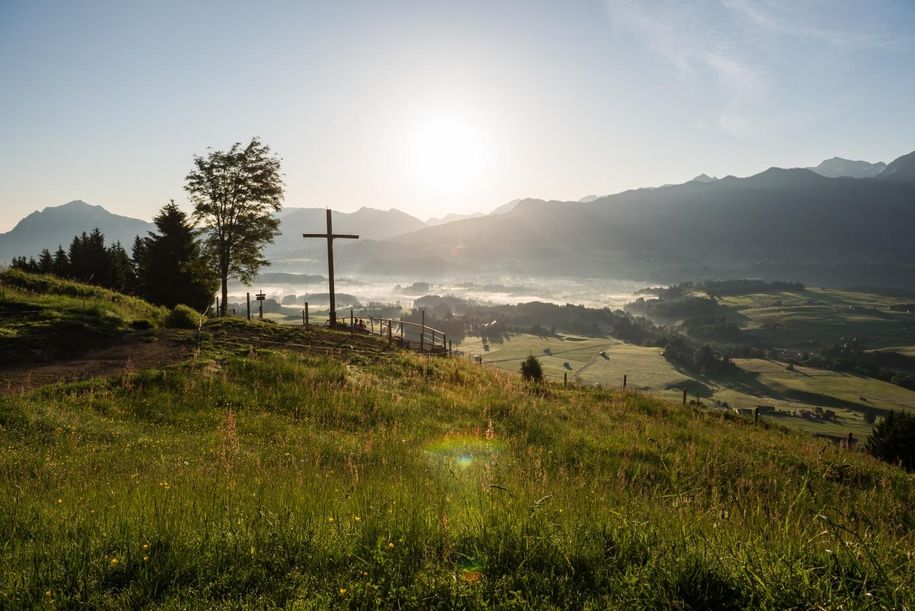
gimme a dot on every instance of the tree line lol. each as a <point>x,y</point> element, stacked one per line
<point>234,194</point>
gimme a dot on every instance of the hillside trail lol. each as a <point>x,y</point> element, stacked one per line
<point>142,350</point>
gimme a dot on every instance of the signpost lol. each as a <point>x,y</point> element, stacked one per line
<point>329,236</point>
<point>260,302</point>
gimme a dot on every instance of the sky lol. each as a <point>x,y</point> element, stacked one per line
<point>434,107</point>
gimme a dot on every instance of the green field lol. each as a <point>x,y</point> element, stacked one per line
<point>803,320</point>
<point>268,466</point>
<point>766,383</point>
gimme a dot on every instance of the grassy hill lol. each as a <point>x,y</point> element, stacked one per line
<point>311,469</point>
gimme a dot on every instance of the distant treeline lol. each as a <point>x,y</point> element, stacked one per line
<point>88,260</point>
<point>166,268</point>
<point>460,317</point>
<point>724,288</point>
<point>849,354</point>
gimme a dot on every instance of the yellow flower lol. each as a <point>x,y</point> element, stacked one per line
<point>48,593</point>
<point>342,590</point>
<point>330,518</point>
<point>114,561</point>
<point>356,518</point>
<point>146,546</point>
<point>253,551</point>
<point>59,501</point>
<point>145,558</point>
<point>390,545</point>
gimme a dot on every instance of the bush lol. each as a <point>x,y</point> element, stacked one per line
<point>183,317</point>
<point>531,369</point>
<point>893,440</point>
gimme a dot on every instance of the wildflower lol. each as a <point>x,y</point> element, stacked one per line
<point>146,546</point>
<point>356,518</point>
<point>253,551</point>
<point>145,558</point>
<point>330,518</point>
<point>48,593</point>
<point>60,501</point>
<point>342,590</point>
<point>390,545</point>
<point>115,561</point>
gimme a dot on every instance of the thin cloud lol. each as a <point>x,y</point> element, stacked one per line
<point>805,20</point>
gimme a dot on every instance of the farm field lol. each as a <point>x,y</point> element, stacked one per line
<point>766,383</point>
<point>803,320</point>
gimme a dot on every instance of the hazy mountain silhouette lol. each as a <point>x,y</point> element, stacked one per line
<point>900,169</point>
<point>58,224</point>
<point>838,167</point>
<point>450,218</point>
<point>368,223</point>
<point>704,178</point>
<point>507,207</point>
<point>790,224</point>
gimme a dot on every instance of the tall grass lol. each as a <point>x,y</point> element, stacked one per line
<point>309,481</point>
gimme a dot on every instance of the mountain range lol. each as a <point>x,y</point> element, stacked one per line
<point>840,223</point>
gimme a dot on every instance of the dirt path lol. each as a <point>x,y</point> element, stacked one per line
<point>142,350</point>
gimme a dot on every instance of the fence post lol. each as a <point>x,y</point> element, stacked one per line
<point>306,314</point>
<point>684,396</point>
<point>450,351</point>
<point>248,302</point>
<point>422,331</point>
<point>389,333</point>
<point>565,378</point>
<point>624,381</point>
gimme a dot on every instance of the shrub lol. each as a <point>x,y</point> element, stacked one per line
<point>893,440</point>
<point>531,369</point>
<point>183,317</point>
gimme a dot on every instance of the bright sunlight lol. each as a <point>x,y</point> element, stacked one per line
<point>448,154</point>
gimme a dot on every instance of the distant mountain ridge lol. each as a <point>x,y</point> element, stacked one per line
<point>788,224</point>
<point>838,167</point>
<point>58,224</point>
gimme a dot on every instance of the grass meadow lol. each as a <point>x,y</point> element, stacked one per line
<point>265,478</point>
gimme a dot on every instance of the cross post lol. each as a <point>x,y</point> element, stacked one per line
<point>330,235</point>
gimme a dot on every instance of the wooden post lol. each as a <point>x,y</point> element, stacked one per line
<point>306,314</point>
<point>624,381</point>
<point>303,317</point>
<point>389,332</point>
<point>261,304</point>
<point>684,396</point>
<point>565,378</point>
<point>755,415</point>
<point>217,306</point>
<point>352,323</point>
<point>450,351</point>
<point>248,302</point>
<point>422,331</point>
<point>330,236</point>
<point>372,322</point>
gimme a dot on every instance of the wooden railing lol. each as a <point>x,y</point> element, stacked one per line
<point>412,335</point>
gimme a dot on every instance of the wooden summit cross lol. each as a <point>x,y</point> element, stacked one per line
<point>330,235</point>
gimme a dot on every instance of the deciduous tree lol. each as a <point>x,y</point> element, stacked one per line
<point>235,194</point>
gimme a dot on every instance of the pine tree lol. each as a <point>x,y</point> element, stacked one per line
<point>171,269</point>
<point>45,261</point>
<point>61,265</point>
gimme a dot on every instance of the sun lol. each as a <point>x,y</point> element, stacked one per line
<point>448,154</point>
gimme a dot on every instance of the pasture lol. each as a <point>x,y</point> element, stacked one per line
<point>762,383</point>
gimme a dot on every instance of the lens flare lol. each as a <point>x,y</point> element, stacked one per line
<point>464,450</point>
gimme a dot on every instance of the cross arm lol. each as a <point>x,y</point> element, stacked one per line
<point>333,235</point>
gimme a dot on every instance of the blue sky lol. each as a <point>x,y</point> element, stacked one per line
<point>432,107</point>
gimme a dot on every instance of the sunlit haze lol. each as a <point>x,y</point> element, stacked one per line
<point>435,107</point>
